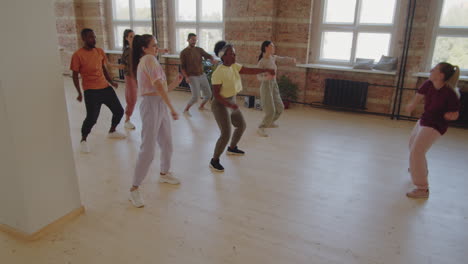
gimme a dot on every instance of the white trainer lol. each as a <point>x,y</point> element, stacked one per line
<point>136,199</point>
<point>187,114</point>
<point>84,148</point>
<point>129,125</point>
<point>168,178</point>
<point>116,135</point>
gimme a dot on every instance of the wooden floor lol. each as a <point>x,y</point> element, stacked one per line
<point>325,187</point>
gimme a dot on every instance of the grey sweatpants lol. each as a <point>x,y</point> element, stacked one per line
<point>198,83</point>
<point>156,127</point>
<point>271,102</point>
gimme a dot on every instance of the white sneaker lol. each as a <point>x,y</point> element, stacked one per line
<point>273,125</point>
<point>116,135</point>
<point>129,125</point>
<point>168,178</point>
<point>261,132</point>
<point>84,148</point>
<point>136,199</point>
<point>187,114</point>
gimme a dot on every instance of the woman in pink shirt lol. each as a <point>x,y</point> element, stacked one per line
<point>156,124</point>
<point>441,105</point>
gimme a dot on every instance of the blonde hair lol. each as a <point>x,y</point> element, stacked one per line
<point>451,75</point>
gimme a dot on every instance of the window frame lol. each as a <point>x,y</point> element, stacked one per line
<point>355,28</point>
<point>131,23</point>
<point>438,31</point>
<point>197,24</point>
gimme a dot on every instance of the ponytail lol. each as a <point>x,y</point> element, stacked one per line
<point>451,75</point>
<point>265,44</point>
<point>139,42</point>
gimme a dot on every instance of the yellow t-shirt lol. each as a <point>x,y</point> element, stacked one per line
<point>229,79</point>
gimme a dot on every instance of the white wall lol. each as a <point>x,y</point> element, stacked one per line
<point>38,182</point>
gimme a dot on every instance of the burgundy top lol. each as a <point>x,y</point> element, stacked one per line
<point>437,103</point>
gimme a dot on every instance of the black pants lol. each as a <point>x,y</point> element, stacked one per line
<point>93,100</point>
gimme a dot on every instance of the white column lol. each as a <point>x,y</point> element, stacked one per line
<point>38,181</point>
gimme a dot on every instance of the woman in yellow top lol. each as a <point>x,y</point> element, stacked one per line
<point>226,84</point>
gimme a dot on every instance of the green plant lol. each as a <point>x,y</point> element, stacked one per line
<point>288,89</point>
<point>208,69</point>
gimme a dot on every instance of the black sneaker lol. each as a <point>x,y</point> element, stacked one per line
<point>216,166</point>
<point>235,151</point>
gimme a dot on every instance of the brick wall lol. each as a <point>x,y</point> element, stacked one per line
<point>67,32</point>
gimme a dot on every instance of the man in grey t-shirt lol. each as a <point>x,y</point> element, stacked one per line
<point>192,70</point>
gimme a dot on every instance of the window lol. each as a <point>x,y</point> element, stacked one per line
<point>450,41</point>
<point>350,29</point>
<point>133,14</point>
<point>202,17</point>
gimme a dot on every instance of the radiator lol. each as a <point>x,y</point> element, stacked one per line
<point>345,93</point>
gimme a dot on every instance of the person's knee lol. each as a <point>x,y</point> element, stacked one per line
<point>119,111</point>
<point>225,133</point>
<point>91,120</point>
<point>241,125</point>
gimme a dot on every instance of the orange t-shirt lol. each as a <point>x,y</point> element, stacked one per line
<point>89,64</point>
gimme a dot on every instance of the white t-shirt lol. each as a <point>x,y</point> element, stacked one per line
<point>148,72</point>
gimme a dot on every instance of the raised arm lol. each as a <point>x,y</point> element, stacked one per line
<point>281,59</point>
<point>247,70</point>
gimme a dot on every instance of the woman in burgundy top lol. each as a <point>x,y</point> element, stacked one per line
<point>441,105</point>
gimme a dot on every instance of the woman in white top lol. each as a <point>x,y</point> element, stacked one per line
<point>269,92</point>
<point>156,124</point>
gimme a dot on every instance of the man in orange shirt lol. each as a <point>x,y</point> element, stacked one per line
<point>90,62</point>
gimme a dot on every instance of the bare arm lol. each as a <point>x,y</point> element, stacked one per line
<point>413,103</point>
<point>76,82</point>
<point>285,59</point>
<point>175,83</point>
<point>108,78</point>
<point>159,85</point>
<point>246,70</point>
<point>221,99</point>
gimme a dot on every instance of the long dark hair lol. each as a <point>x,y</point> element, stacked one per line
<point>125,41</point>
<point>139,42</point>
<point>265,44</point>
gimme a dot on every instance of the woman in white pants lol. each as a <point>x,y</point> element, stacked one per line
<point>441,105</point>
<point>156,124</point>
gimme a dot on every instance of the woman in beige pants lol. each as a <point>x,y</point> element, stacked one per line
<point>441,105</point>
